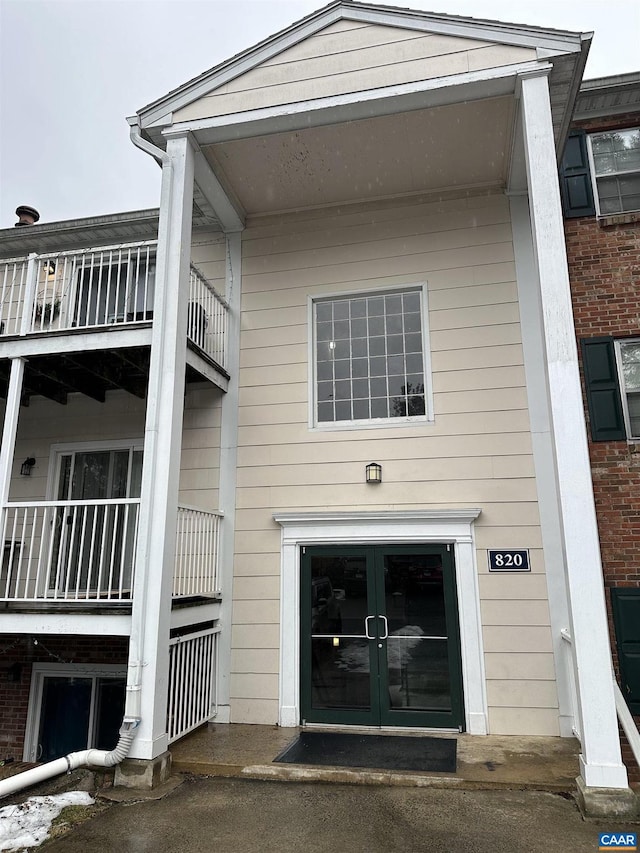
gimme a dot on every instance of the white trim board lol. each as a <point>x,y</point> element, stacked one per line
<point>549,41</point>
<point>39,671</point>
<point>452,526</point>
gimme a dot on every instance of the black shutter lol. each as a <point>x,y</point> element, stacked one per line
<point>603,393</point>
<point>575,178</point>
<point>625,603</point>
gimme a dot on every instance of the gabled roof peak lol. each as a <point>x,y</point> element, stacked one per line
<point>557,41</point>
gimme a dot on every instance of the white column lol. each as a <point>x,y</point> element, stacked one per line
<point>155,552</point>
<point>542,445</point>
<point>600,761</point>
<point>228,471</point>
<point>14,390</point>
<point>10,427</point>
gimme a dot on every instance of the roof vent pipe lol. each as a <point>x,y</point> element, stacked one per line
<point>26,215</point>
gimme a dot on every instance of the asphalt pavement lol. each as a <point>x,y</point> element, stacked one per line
<point>204,815</point>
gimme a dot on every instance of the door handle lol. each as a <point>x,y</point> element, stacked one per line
<point>386,626</point>
<point>366,627</point>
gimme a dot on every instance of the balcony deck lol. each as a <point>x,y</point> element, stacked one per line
<point>84,318</point>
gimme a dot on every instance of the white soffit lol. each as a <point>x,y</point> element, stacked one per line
<point>448,147</point>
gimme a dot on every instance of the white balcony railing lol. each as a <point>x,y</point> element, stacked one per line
<point>110,286</point>
<point>84,550</point>
<point>13,289</point>
<point>192,681</point>
<point>69,550</point>
<point>207,318</point>
<point>196,568</point>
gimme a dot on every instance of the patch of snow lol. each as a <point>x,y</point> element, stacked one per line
<point>28,824</point>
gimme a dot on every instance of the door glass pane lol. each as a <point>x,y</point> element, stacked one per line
<point>109,711</point>
<point>90,475</point>
<point>120,481</point>
<point>417,647</point>
<point>93,545</point>
<point>64,716</point>
<point>340,663</point>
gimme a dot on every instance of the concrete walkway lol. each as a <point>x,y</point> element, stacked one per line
<point>492,762</point>
<point>246,815</point>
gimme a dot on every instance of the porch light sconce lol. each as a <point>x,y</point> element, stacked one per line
<point>14,673</point>
<point>374,473</point>
<point>27,465</point>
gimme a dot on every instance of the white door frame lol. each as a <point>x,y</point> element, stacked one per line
<point>454,526</point>
<point>39,672</point>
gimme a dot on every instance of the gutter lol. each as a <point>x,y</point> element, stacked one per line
<point>143,144</point>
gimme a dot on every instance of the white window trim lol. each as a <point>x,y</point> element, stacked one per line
<point>445,526</point>
<point>621,384</point>
<point>594,182</point>
<point>57,451</point>
<point>39,672</point>
<point>379,423</point>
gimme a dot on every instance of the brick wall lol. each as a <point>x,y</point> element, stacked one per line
<point>18,653</point>
<point>604,268</point>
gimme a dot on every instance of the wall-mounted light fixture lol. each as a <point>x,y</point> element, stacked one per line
<point>14,673</point>
<point>374,473</point>
<point>27,465</point>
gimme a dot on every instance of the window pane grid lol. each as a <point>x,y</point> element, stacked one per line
<point>369,357</point>
<point>630,374</point>
<point>616,161</point>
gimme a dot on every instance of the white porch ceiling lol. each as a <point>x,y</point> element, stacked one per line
<point>447,147</point>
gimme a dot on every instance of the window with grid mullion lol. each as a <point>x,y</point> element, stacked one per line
<point>369,357</point>
<point>616,163</point>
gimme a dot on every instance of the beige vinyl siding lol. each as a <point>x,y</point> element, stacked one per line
<point>200,459</point>
<point>477,452</point>
<point>341,60</point>
<point>43,423</point>
<point>122,416</point>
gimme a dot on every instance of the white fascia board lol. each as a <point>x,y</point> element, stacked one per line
<point>23,347</point>
<point>457,88</point>
<point>182,617</point>
<point>492,31</point>
<point>561,41</point>
<point>235,67</point>
<point>114,624</point>
<point>208,371</point>
<point>229,213</point>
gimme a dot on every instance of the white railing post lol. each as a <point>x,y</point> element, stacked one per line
<point>206,325</point>
<point>196,561</point>
<point>69,550</point>
<point>192,673</point>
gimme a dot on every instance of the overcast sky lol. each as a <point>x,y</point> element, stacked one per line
<point>72,70</point>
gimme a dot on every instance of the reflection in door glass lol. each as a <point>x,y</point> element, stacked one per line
<point>340,676</point>
<point>417,646</point>
<point>64,718</point>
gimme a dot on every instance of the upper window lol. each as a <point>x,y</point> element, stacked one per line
<point>612,384</point>
<point>629,368</point>
<point>369,357</point>
<point>615,156</point>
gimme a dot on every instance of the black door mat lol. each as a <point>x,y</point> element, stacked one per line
<point>381,752</point>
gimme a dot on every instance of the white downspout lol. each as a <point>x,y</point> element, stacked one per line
<point>86,757</point>
<point>132,708</point>
<point>101,757</point>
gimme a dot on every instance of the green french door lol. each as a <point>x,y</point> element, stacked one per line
<point>379,638</point>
